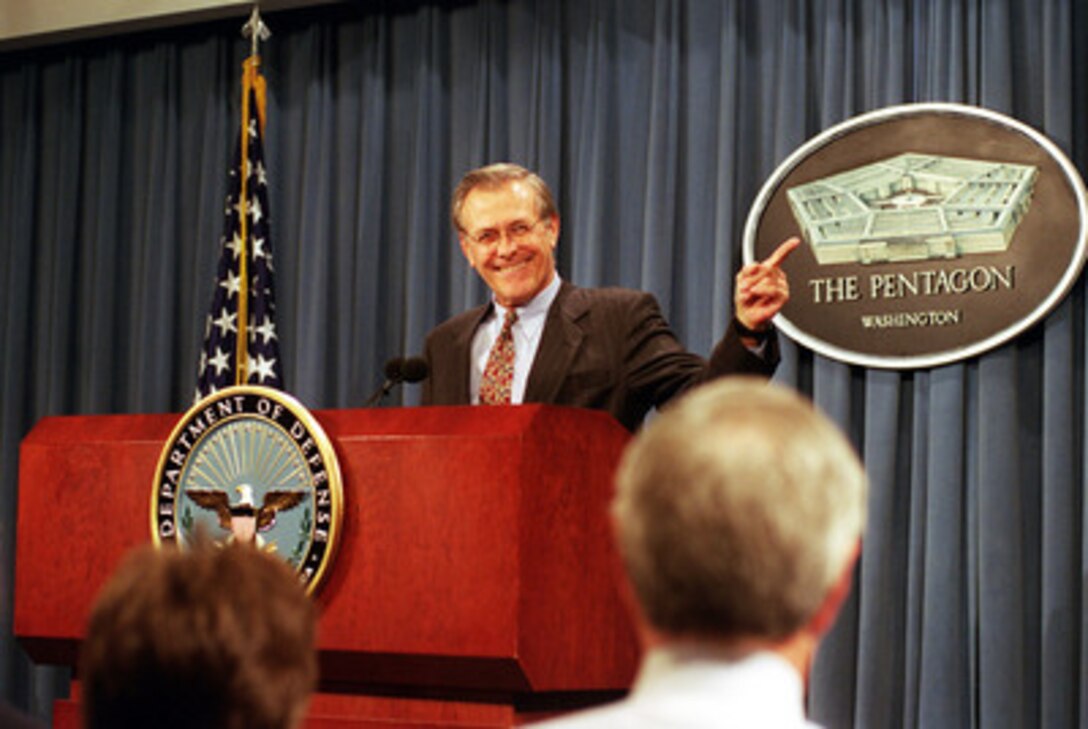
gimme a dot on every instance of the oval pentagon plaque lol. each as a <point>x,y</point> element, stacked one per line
<point>932,233</point>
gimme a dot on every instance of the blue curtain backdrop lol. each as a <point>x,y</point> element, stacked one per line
<point>655,121</point>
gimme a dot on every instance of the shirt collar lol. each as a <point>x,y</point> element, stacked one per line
<point>538,305</point>
<point>684,678</point>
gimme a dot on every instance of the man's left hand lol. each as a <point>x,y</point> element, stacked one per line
<point>762,288</point>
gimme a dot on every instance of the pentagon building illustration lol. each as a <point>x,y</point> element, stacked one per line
<point>913,207</point>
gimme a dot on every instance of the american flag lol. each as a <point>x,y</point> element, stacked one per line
<point>219,358</point>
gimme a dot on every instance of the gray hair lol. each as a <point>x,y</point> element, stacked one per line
<point>494,176</point>
<point>737,510</point>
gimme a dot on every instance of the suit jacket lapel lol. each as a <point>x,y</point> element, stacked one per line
<point>462,355</point>
<point>559,342</point>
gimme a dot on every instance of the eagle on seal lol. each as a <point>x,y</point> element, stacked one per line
<point>244,520</point>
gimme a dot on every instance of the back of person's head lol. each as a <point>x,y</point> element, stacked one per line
<point>213,637</point>
<point>737,511</point>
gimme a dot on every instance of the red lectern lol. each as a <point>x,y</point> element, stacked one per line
<point>475,583</point>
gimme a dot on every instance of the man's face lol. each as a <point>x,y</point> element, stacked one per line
<point>507,243</point>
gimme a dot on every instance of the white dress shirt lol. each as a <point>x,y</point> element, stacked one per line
<point>526,331</point>
<point>694,686</point>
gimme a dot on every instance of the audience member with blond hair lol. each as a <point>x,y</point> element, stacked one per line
<point>738,515</point>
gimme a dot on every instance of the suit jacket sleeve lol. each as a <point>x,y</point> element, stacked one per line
<point>612,350</point>
<point>661,368</point>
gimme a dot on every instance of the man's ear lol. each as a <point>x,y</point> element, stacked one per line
<point>553,227</point>
<point>464,243</point>
<point>825,616</point>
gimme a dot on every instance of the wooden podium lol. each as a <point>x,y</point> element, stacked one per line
<point>475,583</point>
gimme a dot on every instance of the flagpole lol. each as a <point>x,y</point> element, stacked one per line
<point>240,344</point>
<point>256,31</point>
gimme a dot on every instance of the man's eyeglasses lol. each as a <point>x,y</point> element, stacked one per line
<point>515,232</point>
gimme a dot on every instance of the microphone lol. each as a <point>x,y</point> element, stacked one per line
<point>398,370</point>
<point>414,369</point>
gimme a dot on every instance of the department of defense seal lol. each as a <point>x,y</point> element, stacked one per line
<point>251,464</point>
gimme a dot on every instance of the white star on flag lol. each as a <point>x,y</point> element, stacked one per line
<point>221,361</point>
<point>225,322</point>
<point>232,283</point>
<point>255,209</point>
<point>261,369</point>
<point>266,329</point>
<point>234,245</point>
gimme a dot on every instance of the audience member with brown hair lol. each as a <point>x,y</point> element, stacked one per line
<point>210,638</point>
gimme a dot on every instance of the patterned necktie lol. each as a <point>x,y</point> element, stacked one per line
<point>499,372</point>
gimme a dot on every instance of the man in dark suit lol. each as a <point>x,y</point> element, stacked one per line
<point>544,340</point>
